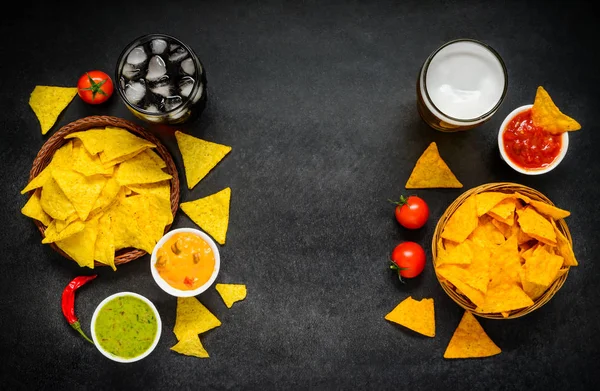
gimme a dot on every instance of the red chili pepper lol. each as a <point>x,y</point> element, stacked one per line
<point>68,302</point>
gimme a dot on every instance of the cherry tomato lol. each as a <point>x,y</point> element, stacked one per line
<point>411,212</point>
<point>95,87</point>
<point>408,258</point>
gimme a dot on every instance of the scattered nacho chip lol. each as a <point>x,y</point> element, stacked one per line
<point>80,190</point>
<point>416,315</point>
<point>231,293</point>
<point>487,200</point>
<point>211,213</point>
<point>191,346</point>
<point>33,209</point>
<point>48,102</point>
<point>546,114</point>
<point>431,171</point>
<point>193,318</point>
<point>199,156</point>
<point>536,226</point>
<point>470,340</point>
<point>140,169</point>
<point>462,222</point>
<point>81,246</point>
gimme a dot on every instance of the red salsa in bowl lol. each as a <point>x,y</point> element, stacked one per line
<point>529,148</point>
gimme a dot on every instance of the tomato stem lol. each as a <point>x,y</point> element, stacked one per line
<point>95,87</point>
<point>403,201</point>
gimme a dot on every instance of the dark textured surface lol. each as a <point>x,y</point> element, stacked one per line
<point>317,100</point>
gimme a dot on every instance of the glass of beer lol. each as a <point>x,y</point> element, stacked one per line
<point>461,85</point>
<point>161,79</point>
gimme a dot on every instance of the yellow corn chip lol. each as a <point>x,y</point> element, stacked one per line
<point>55,202</point>
<point>114,142</point>
<point>486,232</point>
<point>462,222</point>
<point>450,274</point>
<point>504,295</point>
<point>416,315</point>
<point>487,200</point>
<point>470,340</point>
<point>48,102</point>
<point>191,346</point>
<point>159,189</point>
<point>476,274</point>
<point>506,259</point>
<point>140,169</point>
<point>211,213</point>
<point>86,163</point>
<point>107,195</point>
<point>549,210</point>
<point>542,266</point>
<point>80,190</point>
<point>431,171</point>
<point>503,227</point>
<point>62,159</point>
<point>231,293</point>
<point>546,114</point>
<point>505,209</point>
<point>52,235</point>
<point>59,225</point>
<point>564,246</point>
<point>199,156</point>
<point>33,209</point>
<point>536,226</point>
<point>454,254</point>
<point>157,159</point>
<point>81,246</point>
<point>104,251</point>
<point>193,318</point>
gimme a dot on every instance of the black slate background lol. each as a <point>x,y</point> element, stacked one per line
<point>317,100</point>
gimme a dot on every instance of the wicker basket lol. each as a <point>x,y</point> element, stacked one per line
<point>458,297</point>
<point>45,154</point>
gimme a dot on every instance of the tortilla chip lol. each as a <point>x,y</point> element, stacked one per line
<point>476,274</point>
<point>55,202</point>
<point>486,232</point>
<point>191,346</point>
<point>199,156</point>
<point>48,102</point>
<point>140,169</point>
<point>211,213</point>
<point>503,227</point>
<point>542,266</point>
<point>157,159</point>
<point>549,210</point>
<point>504,210</point>
<point>107,195</point>
<point>51,234</point>
<point>80,190</point>
<point>470,340</point>
<point>33,209</point>
<point>62,159</point>
<point>416,315</point>
<point>431,171</point>
<point>462,222</point>
<point>62,224</point>
<point>487,200</point>
<point>114,142</point>
<point>454,254</point>
<point>159,189</point>
<point>453,277</point>
<point>506,259</point>
<point>88,164</point>
<point>536,226</point>
<point>564,247</point>
<point>104,251</point>
<point>504,295</point>
<point>193,318</point>
<point>231,293</point>
<point>546,114</point>
<point>81,246</point>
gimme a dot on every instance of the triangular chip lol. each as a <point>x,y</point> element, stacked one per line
<point>55,202</point>
<point>476,274</point>
<point>114,142</point>
<point>211,213</point>
<point>542,266</point>
<point>104,251</point>
<point>157,159</point>
<point>416,315</point>
<point>550,210</point>
<point>52,234</point>
<point>452,276</point>
<point>48,102</point>
<point>431,171</point>
<point>564,247</point>
<point>504,295</point>
<point>487,200</point>
<point>33,209</point>
<point>536,226</point>
<point>199,156</point>
<point>454,254</point>
<point>62,158</point>
<point>506,259</point>
<point>140,169</point>
<point>231,293</point>
<point>505,209</point>
<point>81,246</point>
<point>86,163</point>
<point>546,114</point>
<point>487,233</point>
<point>193,318</point>
<point>191,346</point>
<point>80,190</point>
<point>160,189</point>
<point>470,340</point>
<point>462,222</point>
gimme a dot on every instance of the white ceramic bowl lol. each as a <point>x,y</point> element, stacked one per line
<point>112,356</point>
<point>548,168</point>
<point>179,292</point>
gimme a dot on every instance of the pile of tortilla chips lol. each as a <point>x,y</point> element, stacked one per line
<point>502,251</point>
<point>104,190</point>
<point>546,115</point>
<point>431,171</point>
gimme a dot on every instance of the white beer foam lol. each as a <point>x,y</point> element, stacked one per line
<point>465,80</point>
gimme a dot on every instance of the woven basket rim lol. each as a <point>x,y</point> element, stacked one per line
<point>461,299</point>
<point>55,141</point>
